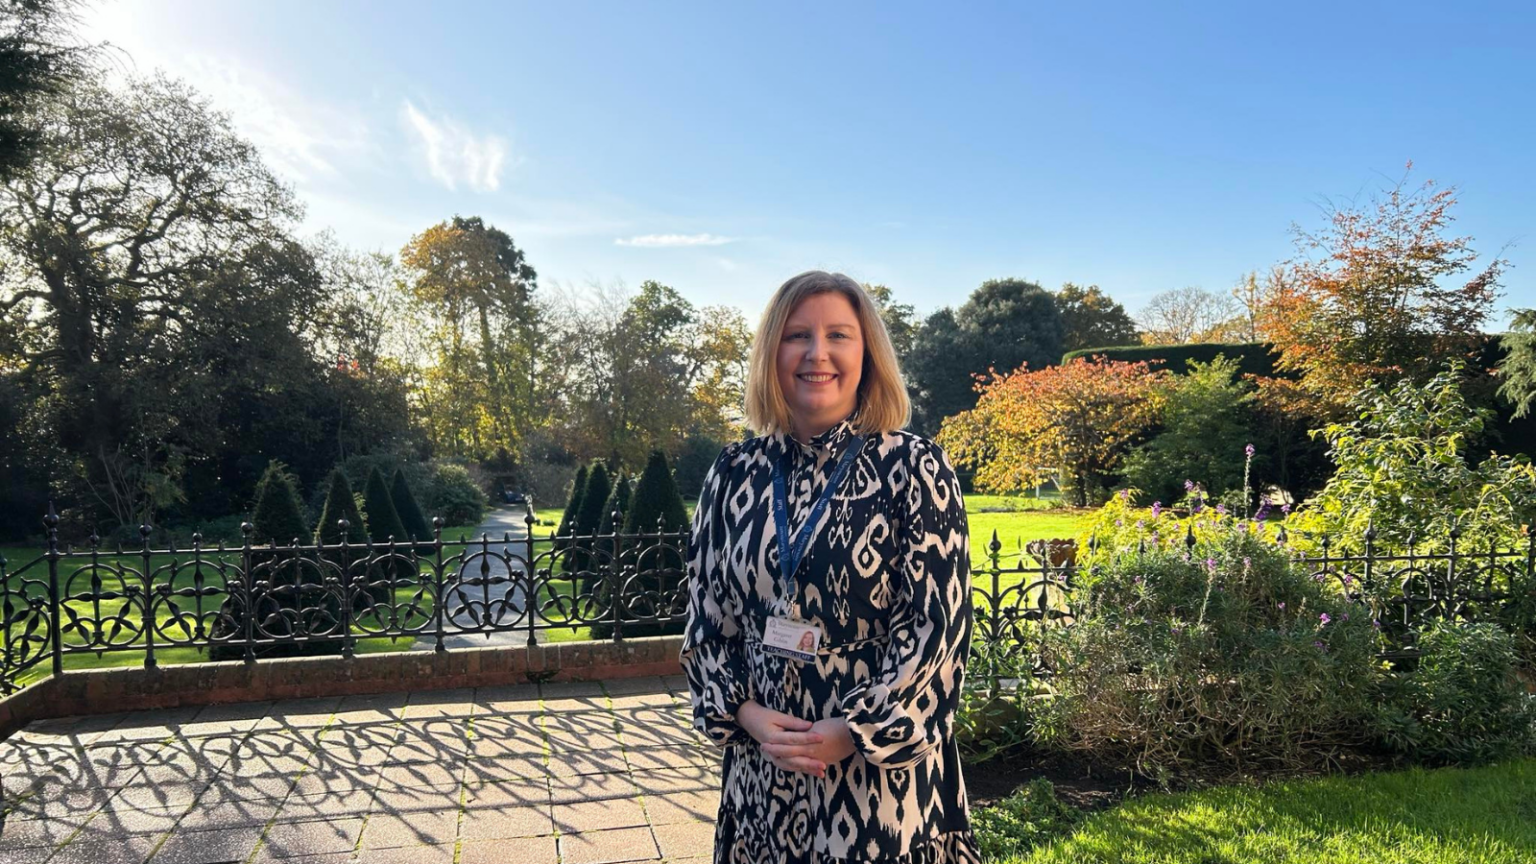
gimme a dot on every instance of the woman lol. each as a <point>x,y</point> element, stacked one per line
<point>829,612</point>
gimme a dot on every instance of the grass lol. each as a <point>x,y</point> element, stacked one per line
<point>1447,816</point>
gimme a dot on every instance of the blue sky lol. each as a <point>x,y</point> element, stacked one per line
<point>721,149</point>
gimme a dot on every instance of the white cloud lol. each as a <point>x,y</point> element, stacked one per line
<point>455,155</point>
<point>660,241</point>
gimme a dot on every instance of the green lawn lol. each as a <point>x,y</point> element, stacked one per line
<point>1465,816</point>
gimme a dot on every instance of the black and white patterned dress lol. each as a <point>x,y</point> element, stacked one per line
<point>886,577</point>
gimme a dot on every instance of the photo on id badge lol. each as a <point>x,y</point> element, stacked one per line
<point>793,639</point>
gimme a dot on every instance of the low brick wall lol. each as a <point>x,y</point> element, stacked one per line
<point>103,691</point>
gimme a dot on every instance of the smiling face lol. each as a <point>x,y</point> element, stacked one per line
<point>820,362</point>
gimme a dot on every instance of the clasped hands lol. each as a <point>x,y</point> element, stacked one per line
<point>794,744</point>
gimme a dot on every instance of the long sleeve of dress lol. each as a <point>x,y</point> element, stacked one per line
<point>712,654</point>
<point>908,706</point>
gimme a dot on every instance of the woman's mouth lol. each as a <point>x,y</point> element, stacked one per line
<point>816,377</point>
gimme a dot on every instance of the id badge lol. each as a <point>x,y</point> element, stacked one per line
<point>793,639</point>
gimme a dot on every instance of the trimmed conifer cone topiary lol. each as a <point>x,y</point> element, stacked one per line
<point>384,525</point>
<point>411,518</point>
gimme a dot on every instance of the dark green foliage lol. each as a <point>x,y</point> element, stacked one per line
<point>1090,317</point>
<point>411,518</point>
<point>1253,358</point>
<point>278,514</point>
<point>656,497</point>
<point>340,505</point>
<point>36,61</point>
<point>1004,323</point>
<point>1204,430</point>
<point>618,502</point>
<point>1030,817</point>
<point>454,496</point>
<point>659,568</point>
<point>590,517</point>
<point>697,456</point>
<point>1464,703</point>
<point>573,504</point>
<point>383,521</point>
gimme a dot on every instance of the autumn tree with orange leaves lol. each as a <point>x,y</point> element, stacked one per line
<point>1078,417</point>
<point>1380,293</point>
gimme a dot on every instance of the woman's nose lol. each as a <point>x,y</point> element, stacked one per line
<point>817,348</point>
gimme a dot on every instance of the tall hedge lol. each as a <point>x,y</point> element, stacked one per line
<point>278,514</point>
<point>411,518</point>
<point>1253,358</point>
<point>339,505</point>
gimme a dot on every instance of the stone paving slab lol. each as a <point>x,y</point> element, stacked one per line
<point>561,773</point>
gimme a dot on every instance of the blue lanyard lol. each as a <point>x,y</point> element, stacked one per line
<point>790,553</point>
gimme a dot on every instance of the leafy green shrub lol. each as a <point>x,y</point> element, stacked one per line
<point>1205,423</point>
<point>454,496</point>
<point>573,504</point>
<point>1216,656</point>
<point>1405,468</point>
<point>1030,817</point>
<point>990,724</point>
<point>1464,703</point>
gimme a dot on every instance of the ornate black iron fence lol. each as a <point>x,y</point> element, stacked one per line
<point>254,599</point>
<point>250,600</point>
<point>1014,604</point>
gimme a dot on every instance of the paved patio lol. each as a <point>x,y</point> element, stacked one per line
<point>568,773</point>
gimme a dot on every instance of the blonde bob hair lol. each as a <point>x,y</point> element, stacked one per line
<point>882,397</point>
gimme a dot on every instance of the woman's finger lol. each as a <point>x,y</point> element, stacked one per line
<point>785,721</point>
<point>785,751</point>
<point>804,765</point>
<point>797,738</point>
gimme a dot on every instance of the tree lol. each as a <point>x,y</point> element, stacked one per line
<point>1091,319</point>
<point>148,267</point>
<point>278,512</point>
<point>899,318</point>
<point>477,288</point>
<point>1186,315</point>
<point>1518,369</point>
<point>339,505</point>
<point>1375,294</point>
<point>645,370</point>
<point>38,60</point>
<point>1079,417</point>
<point>1004,324</point>
<point>940,373</point>
<point>411,518</point>
<point>1204,428</point>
